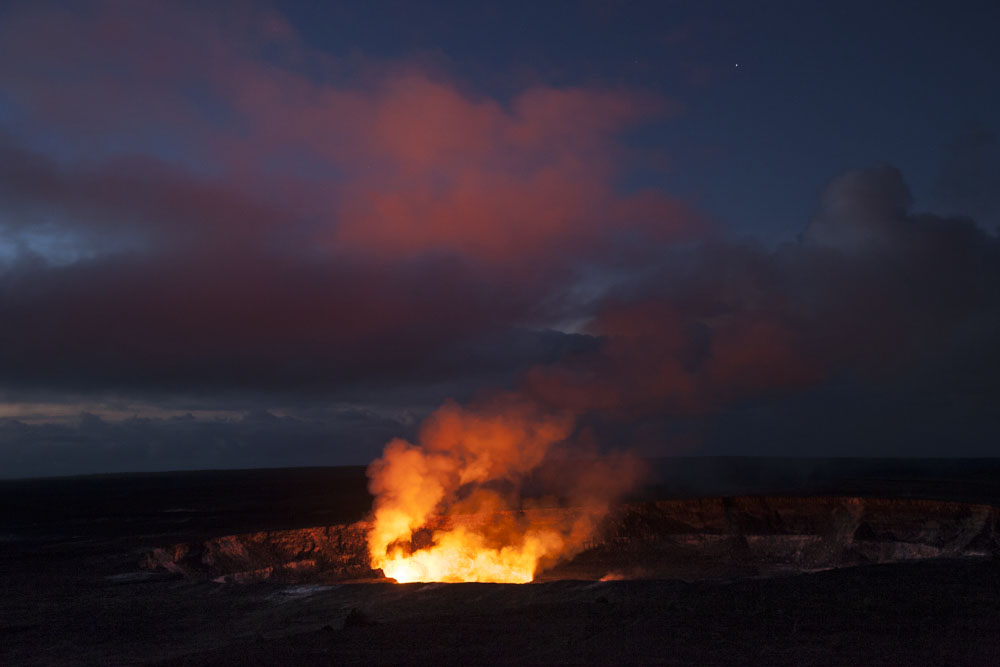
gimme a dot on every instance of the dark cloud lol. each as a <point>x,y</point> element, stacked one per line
<point>246,322</point>
<point>873,296</point>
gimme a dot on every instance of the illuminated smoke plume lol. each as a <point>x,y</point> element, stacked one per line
<point>450,508</point>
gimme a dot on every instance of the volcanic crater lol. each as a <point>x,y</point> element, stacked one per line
<point>691,539</point>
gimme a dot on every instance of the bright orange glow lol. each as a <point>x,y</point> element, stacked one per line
<point>441,508</point>
<point>461,555</point>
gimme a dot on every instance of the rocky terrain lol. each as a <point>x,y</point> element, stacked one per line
<point>797,562</point>
<point>690,539</point>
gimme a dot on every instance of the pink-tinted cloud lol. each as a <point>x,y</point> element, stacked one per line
<point>390,165</point>
<point>291,219</point>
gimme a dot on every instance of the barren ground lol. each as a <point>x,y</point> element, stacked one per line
<point>72,590</point>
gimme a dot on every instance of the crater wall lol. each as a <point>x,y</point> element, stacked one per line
<point>690,539</point>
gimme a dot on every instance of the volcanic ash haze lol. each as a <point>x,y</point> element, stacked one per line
<point>446,508</point>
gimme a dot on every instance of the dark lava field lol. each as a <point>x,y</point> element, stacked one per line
<point>714,562</point>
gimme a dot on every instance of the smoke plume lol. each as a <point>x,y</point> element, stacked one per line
<point>453,506</point>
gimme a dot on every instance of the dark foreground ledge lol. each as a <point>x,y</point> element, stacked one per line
<point>939,612</point>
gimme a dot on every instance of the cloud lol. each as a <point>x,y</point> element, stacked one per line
<point>196,200</point>
<point>861,211</point>
<point>193,201</point>
<point>872,295</point>
<point>220,128</point>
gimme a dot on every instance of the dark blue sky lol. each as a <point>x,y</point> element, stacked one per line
<point>281,234</point>
<point>774,98</point>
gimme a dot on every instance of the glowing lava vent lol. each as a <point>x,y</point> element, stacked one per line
<point>443,508</point>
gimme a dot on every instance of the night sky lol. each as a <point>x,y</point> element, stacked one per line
<point>242,235</point>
